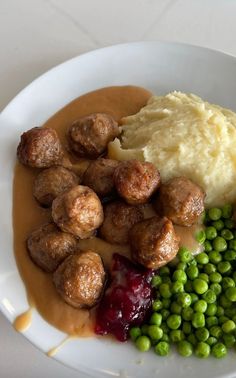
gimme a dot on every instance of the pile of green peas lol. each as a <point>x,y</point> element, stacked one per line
<point>195,298</point>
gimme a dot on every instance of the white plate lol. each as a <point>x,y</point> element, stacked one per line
<point>159,67</point>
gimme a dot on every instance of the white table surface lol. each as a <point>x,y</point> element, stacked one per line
<point>39,34</point>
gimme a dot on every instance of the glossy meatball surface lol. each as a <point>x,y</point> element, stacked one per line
<point>153,242</point>
<point>40,147</point>
<point>51,182</point>
<point>80,279</point>
<point>48,246</point>
<point>136,181</point>
<point>99,176</point>
<point>78,211</point>
<point>119,217</point>
<point>89,136</point>
<point>181,200</point>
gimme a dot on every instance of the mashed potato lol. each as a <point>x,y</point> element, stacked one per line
<point>183,135</point>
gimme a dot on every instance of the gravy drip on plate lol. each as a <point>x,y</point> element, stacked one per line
<point>28,215</point>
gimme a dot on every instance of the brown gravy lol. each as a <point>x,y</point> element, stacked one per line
<point>28,215</point>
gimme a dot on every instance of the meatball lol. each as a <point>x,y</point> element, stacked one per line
<point>51,182</point>
<point>78,211</point>
<point>40,147</point>
<point>90,135</point>
<point>153,242</point>
<point>119,217</point>
<point>181,200</point>
<point>136,181</point>
<point>99,176</point>
<point>80,279</point>
<point>48,246</point>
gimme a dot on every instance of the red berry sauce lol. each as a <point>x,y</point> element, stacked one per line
<point>127,300</point>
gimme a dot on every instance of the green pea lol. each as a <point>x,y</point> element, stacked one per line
<point>227,234</point>
<point>165,337</point>
<point>222,319</point>
<point>177,287</point>
<point>134,333</point>
<point>194,297</point>
<point>204,276</point>
<point>220,311</point>
<point>164,290</point>
<point>211,341</point>
<point>216,288</point>
<point>200,286</point>
<point>156,281</point>
<point>211,233</point>
<point>157,305</point>
<point>228,326</point>
<point>164,271</point>
<point>179,275</point>
<point>143,343</point>
<point>234,276</point>
<point>214,213</point>
<point>166,279</point>
<point>231,294</point>
<point>193,262</point>
<point>230,255</point>
<point>166,303</point>
<point>229,223</point>
<point>184,300</point>
<point>192,339</point>
<point>219,244</point>
<point>202,258</point>
<point>209,268</point>
<point>187,313</point>
<point>162,348</point>
<point>215,277</point>
<point>215,257</point>
<point>227,211</point>
<point>185,348</point>
<point>207,246</point>
<point>202,350</point>
<point>144,329</point>
<point>176,335</point>
<point>185,255</point>
<point>165,313</point>
<point>230,312</point>
<point>198,320</point>
<point>209,296</point>
<point>164,327</point>
<point>174,321</point>
<point>187,328</point>
<point>200,236</point>
<point>232,244</point>
<point>175,308</point>
<point>181,266</point>
<point>202,334</point>
<point>216,332</point>
<point>211,321</point>
<point>219,225</point>
<point>192,272</point>
<point>188,287</point>
<point>156,319</point>
<point>224,267</point>
<point>211,309</point>
<point>227,282</point>
<point>219,350</point>
<point>200,306</point>
<point>229,340</point>
<point>155,332</point>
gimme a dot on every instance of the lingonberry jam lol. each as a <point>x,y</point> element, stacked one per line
<point>126,301</point>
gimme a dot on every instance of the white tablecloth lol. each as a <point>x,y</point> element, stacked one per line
<point>38,34</point>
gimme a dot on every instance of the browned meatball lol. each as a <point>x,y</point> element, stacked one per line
<point>99,176</point>
<point>80,279</point>
<point>90,135</point>
<point>119,217</point>
<point>48,246</point>
<point>154,242</point>
<point>136,181</point>
<point>181,200</point>
<point>51,182</point>
<point>78,211</point>
<point>40,147</point>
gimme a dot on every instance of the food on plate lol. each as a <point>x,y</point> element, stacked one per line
<point>119,217</point>
<point>127,300</point>
<point>51,182</point>
<point>48,246</point>
<point>89,136</point>
<point>153,242</point>
<point>180,200</point>
<point>40,148</point>
<point>136,181</point>
<point>182,135</point>
<point>80,279</point>
<point>78,211</point>
<point>99,176</point>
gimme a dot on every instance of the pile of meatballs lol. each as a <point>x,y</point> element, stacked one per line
<point>107,201</point>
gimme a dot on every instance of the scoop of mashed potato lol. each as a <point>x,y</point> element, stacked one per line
<point>184,136</point>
